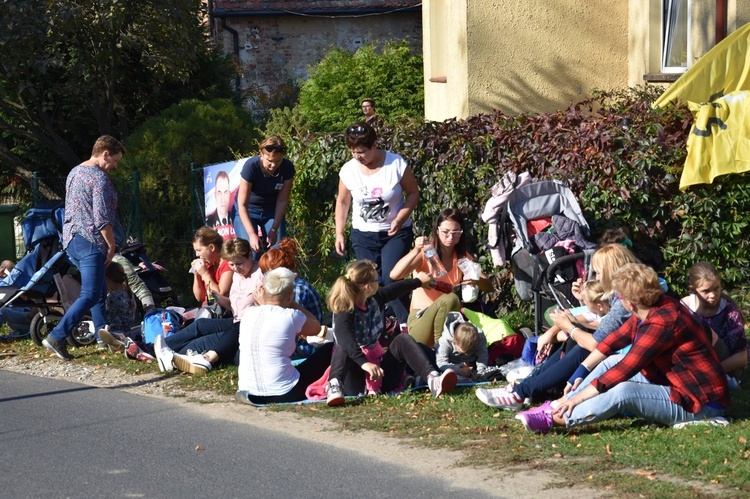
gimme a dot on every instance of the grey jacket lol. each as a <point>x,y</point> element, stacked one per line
<point>449,358</point>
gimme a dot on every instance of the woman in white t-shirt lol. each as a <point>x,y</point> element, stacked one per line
<point>381,191</point>
<point>267,342</point>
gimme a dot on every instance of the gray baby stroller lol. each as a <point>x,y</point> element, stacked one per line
<point>550,245</point>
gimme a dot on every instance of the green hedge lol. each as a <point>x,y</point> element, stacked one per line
<point>620,157</point>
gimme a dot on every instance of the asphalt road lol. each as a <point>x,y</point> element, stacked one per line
<point>62,439</point>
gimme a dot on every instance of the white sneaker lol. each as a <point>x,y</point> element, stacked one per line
<point>502,398</point>
<point>442,383</point>
<point>334,393</point>
<point>193,363</point>
<point>164,355</point>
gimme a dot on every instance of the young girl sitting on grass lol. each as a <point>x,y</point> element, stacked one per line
<point>596,307</point>
<point>358,303</point>
<point>721,314</point>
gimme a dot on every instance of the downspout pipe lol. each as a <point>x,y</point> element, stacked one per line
<point>235,50</point>
<point>721,20</point>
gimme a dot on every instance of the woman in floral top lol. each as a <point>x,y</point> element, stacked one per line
<point>88,239</point>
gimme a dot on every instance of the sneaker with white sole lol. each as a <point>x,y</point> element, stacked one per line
<point>334,393</point>
<point>538,421</point>
<point>133,351</point>
<point>193,363</point>
<point>502,398</point>
<point>58,347</point>
<point>116,341</point>
<point>440,384</point>
<point>164,355</point>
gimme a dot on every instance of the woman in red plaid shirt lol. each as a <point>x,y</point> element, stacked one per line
<point>670,375</point>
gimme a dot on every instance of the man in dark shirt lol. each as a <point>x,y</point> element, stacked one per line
<point>371,116</point>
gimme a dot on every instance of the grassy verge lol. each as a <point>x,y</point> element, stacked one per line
<point>623,456</point>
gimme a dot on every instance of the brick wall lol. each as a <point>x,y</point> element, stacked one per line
<point>276,49</point>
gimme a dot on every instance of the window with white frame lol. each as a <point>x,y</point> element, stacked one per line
<point>675,36</point>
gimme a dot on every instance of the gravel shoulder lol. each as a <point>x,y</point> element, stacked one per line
<point>519,482</point>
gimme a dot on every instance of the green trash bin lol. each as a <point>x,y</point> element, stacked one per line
<point>7,232</point>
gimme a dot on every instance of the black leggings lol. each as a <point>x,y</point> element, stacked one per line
<point>404,350</point>
<point>310,371</point>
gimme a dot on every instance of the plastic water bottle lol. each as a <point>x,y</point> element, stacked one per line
<point>433,260</point>
<point>166,327</point>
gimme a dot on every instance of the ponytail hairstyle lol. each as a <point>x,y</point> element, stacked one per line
<point>283,256</point>
<point>347,287</point>
<point>208,236</point>
<point>116,273</point>
<point>594,292</point>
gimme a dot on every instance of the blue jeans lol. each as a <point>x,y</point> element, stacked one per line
<point>90,263</point>
<point>385,251</point>
<point>265,223</point>
<point>219,335</point>
<point>553,373</point>
<point>637,397</point>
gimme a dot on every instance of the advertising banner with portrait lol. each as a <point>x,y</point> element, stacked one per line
<point>220,185</point>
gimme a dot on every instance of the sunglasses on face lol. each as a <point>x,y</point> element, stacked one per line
<point>454,233</point>
<point>356,130</point>
<point>279,149</point>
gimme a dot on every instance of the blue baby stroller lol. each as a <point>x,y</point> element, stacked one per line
<point>550,237</point>
<point>43,287</point>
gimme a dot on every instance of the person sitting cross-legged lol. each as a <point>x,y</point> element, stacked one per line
<point>267,342</point>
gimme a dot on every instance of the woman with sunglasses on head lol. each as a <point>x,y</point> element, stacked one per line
<point>381,191</point>
<point>429,307</point>
<point>265,186</point>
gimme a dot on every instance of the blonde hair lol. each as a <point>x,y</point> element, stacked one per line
<point>593,291</point>
<point>638,283</point>
<point>347,287</point>
<point>609,258</point>
<point>279,282</point>
<point>466,336</point>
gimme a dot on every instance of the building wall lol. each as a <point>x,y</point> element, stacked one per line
<point>277,49</point>
<point>541,55</point>
<point>533,56</point>
<point>445,52</point>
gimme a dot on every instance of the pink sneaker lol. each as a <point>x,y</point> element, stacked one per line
<point>547,406</point>
<point>501,398</point>
<point>538,421</point>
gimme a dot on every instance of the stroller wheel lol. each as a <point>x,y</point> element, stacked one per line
<point>83,333</point>
<point>41,325</point>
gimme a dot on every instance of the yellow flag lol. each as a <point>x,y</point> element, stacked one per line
<point>719,142</point>
<point>724,69</point>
